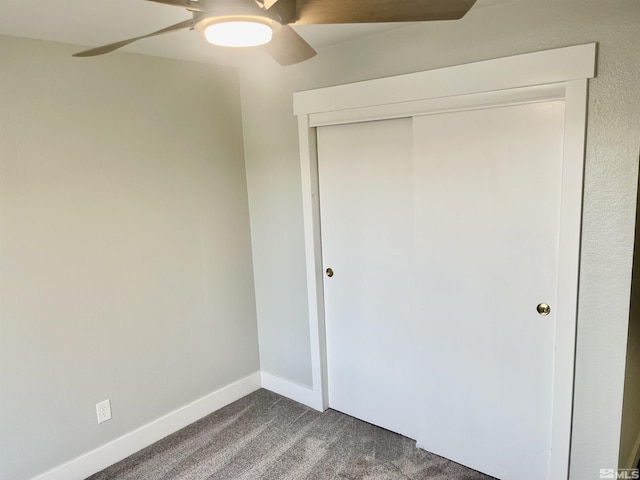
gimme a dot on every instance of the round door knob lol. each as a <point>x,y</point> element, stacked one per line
<point>543,309</point>
<point>329,272</point>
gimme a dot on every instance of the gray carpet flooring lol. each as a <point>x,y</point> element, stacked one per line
<point>266,436</point>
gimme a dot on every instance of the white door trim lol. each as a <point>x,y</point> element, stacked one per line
<point>553,74</point>
<point>512,96</point>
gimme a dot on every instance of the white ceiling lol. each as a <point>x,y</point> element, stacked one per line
<point>93,23</point>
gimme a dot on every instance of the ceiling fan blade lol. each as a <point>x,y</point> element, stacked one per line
<point>188,4</point>
<point>373,11</point>
<point>114,46</point>
<point>287,47</point>
<point>285,9</point>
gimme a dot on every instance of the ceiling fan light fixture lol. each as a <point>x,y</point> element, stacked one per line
<point>237,31</point>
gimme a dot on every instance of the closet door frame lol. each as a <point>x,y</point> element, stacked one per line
<point>558,74</point>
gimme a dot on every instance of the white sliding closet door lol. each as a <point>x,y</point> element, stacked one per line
<point>442,234</point>
<point>365,170</point>
<point>487,199</point>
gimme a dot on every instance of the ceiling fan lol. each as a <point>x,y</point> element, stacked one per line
<point>266,23</point>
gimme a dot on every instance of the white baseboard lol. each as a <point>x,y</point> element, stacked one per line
<point>287,388</point>
<point>120,448</point>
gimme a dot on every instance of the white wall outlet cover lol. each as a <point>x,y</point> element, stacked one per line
<point>103,410</point>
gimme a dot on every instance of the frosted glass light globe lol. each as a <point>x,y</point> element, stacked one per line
<point>238,33</point>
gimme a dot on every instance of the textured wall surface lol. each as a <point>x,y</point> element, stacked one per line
<point>125,253</point>
<point>613,140</point>
<point>630,435</point>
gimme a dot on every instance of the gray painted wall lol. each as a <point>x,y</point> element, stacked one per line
<point>630,435</point>
<point>271,151</point>
<point>125,250</point>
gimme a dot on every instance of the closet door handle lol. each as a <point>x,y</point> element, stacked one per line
<point>543,309</point>
<point>329,272</point>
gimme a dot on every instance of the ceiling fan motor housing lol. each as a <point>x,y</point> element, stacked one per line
<point>236,23</point>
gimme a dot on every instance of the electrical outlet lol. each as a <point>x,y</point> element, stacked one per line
<point>103,409</point>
